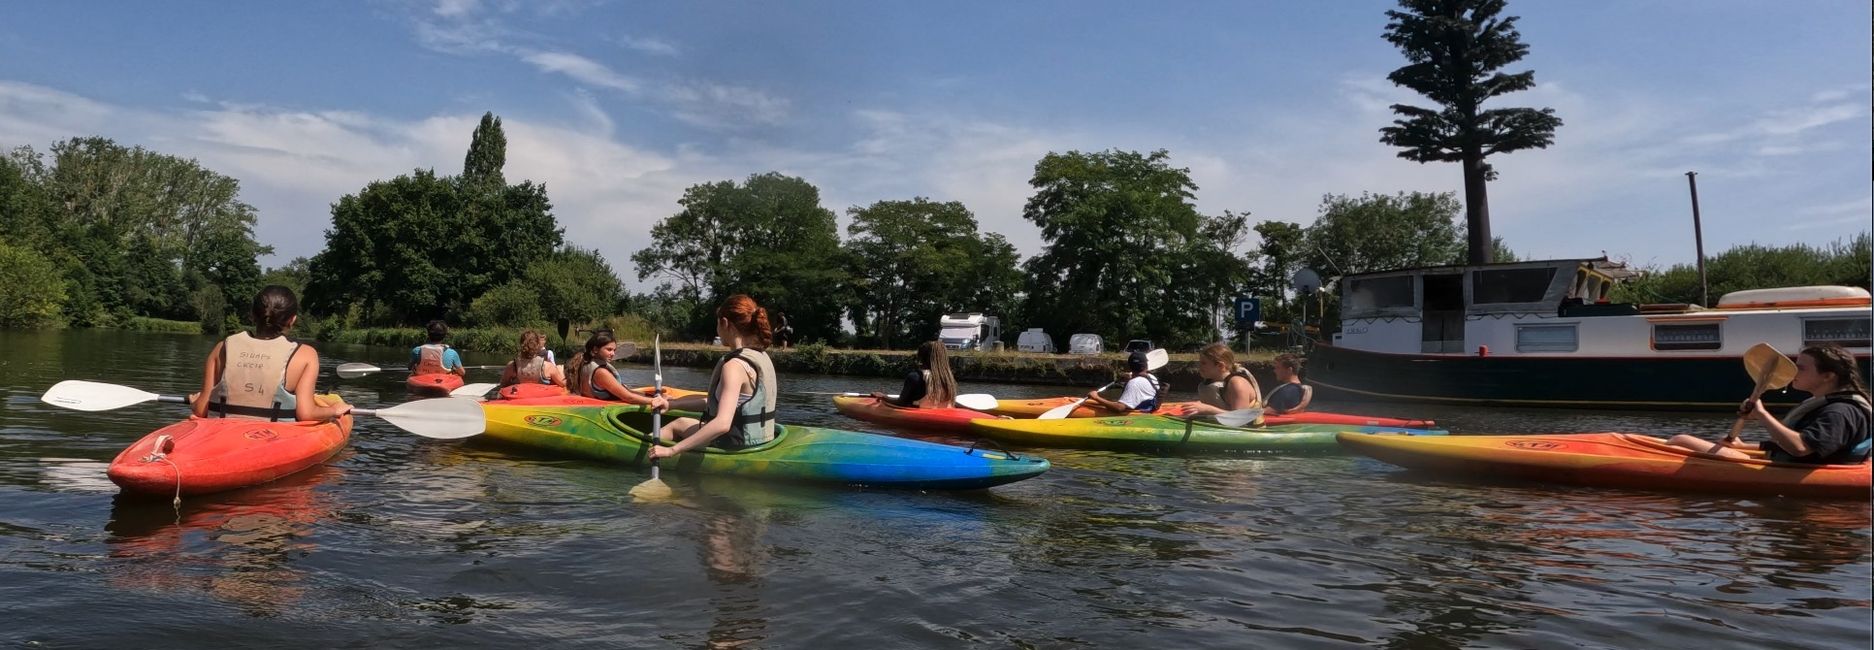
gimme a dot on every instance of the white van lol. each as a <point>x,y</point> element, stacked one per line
<point>1035,340</point>
<point>971,331</point>
<point>1085,344</point>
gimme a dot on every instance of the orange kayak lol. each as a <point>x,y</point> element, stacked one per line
<point>1028,408</point>
<point>873,410</point>
<point>433,384</point>
<point>203,455</point>
<point>1610,460</point>
<point>530,391</point>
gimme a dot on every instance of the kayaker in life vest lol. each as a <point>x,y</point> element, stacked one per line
<point>1231,387</point>
<point>591,374</point>
<point>1290,395</point>
<point>1141,393</point>
<point>264,375</point>
<point>436,357</point>
<point>739,410</point>
<point>931,385</point>
<point>1830,428</point>
<point>532,364</point>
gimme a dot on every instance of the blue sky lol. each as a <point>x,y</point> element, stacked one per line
<point>618,107</point>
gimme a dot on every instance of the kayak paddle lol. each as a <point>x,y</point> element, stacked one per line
<point>443,419</point>
<point>473,391</point>
<point>654,488</point>
<point>356,370</point>
<point>1770,369</point>
<point>973,401</point>
<point>1153,360</point>
<point>1240,417</point>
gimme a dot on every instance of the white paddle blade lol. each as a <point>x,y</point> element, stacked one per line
<point>473,390</point>
<point>977,401</point>
<point>1239,418</point>
<point>1061,412</point>
<point>626,350</point>
<point>444,418</point>
<point>356,370</point>
<point>1156,359</point>
<point>81,395</point>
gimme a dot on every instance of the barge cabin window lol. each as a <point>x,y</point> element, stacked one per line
<point>1845,332</point>
<point>1687,336</point>
<point>1547,338</point>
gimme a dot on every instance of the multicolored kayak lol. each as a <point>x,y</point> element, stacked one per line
<point>548,394</point>
<point>433,384</point>
<point>1622,460</point>
<point>873,410</point>
<point>203,455</point>
<point>801,454</point>
<point>1030,408</point>
<point>1169,433</point>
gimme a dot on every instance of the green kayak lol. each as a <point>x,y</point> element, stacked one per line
<point>797,453</point>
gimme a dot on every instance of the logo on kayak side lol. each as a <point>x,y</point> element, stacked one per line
<point>261,434</point>
<point>1537,445</point>
<point>544,420</point>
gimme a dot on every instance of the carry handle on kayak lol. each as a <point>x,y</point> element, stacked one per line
<point>991,442</point>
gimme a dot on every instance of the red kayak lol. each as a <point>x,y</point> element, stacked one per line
<point>433,384</point>
<point>530,391</point>
<point>873,410</point>
<point>203,455</point>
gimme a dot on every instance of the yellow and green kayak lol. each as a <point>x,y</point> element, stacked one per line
<point>797,453</point>
<point>1174,433</point>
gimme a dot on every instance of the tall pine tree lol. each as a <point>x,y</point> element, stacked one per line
<point>1456,49</point>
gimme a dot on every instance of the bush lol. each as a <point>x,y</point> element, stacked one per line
<point>148,324</point>
<point>32,293</point>
<point>512,304</point>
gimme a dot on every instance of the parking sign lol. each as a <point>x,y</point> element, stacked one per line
<point>1248,311</point>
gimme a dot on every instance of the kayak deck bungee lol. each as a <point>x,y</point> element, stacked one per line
<point>798,453</point>
<point>529,391</point>
<point>1620,460</point>
<point>872,410</point>
<point>1164,432</point>
<point>1030,408</point>
<point>204,455</point>
<point>433,384</point>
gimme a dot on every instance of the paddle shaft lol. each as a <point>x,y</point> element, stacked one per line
<point>1755,394</point>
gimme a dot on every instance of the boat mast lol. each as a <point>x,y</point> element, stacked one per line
<point>1698,235</point>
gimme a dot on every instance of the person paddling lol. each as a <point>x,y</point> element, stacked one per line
<point>532,364</point>
<point>591,374</point>
<point>931,385</point>
<point>738,411</point>
<point>1141,393</point>
<point>1289,395</point>
<point>436,357</point>
<point>265,375</point>
<point>1232,388</point>
<point>1826,429</point>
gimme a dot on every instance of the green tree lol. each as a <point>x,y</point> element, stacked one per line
<point>1456,49</point>
<point>422,246</point>
<point>487,154</point>
<point>31,289</point>
<point>1382,232</point>
<point>913,261</point>
<point>767,237</point>
<point>1754,266</point>
<point>574,285</point>
<point>295,274</point>
<point>1127,254</point>
<point>513,304</point>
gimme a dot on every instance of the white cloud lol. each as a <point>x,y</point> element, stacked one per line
<point>649,45</point>
<point>579,68</point>
<point>453,8</point>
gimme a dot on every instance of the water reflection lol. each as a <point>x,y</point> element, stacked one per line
<point>237,547</point>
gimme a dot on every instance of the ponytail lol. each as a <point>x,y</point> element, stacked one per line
<point>748,319</point>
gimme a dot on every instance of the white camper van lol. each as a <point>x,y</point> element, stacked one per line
<point>1035,340</point>
<point>1084,343</point>
<point>971,331</point>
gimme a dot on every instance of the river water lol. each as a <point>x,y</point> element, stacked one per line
<point>408,542</point>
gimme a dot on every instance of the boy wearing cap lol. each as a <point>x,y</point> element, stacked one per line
<point>1141,392</point>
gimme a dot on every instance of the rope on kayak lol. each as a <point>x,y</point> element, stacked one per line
<point>1187,430</point>
<point>157,454</point>
<point>998,447</point>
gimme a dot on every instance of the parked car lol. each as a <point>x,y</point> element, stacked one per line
<point>1139,345</point>
<point>1035,340</point>
<point>1084,343</point>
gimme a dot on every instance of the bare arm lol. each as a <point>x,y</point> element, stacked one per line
<point>302,373</point>
<point>508,376</point>
<point>730,385</point>
<point>211,373</point>
<point>608,381</point>
<point>1116,407</point>
<point>1789,439</point>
